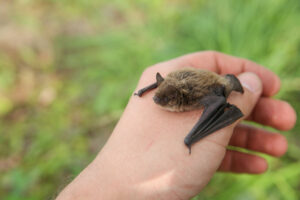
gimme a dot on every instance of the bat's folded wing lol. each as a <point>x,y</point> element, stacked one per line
<point>217,114</point>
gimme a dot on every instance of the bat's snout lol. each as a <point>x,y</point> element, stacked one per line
<point>156,99</point>
<point>160,101</point>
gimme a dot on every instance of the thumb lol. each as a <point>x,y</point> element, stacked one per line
<point>252,90</point>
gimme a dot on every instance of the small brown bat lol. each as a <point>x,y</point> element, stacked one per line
<point>189,89</point>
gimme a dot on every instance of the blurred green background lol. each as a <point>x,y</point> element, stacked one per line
<point>68,68</point>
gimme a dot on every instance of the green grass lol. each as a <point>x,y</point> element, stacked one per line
<point>67,69</point>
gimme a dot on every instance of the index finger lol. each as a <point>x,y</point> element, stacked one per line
<point>225,64</point>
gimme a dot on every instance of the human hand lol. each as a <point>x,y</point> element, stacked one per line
<point>145,157</point>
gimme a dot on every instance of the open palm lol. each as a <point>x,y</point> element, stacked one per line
<point>146,158</point>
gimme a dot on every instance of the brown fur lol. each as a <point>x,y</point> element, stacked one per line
<point>182,90</point>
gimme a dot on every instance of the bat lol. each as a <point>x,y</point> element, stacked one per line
<point>189,89</point>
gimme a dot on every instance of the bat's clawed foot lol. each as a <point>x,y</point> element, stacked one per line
<point>138,94</point>
<point>146,89</point>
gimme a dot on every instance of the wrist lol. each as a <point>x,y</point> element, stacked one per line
<point>93,183</point>
<point>98,181</point>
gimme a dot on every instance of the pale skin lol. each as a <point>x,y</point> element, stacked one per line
<point>145,157</point>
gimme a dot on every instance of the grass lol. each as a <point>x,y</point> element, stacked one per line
<point>67,69</point>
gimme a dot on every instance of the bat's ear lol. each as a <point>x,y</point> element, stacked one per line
<point>159,78</point>
<point>235,83</point>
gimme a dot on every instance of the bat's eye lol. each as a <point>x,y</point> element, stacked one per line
<point>166,99</point>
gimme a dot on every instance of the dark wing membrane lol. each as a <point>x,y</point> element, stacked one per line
<point>217,114</point>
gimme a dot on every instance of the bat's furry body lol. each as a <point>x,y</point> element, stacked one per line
<point>181,90</point>
<point>189,89</point>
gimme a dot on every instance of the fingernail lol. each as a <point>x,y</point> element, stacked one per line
<point>251,81</point>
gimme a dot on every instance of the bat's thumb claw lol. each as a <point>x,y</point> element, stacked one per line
<point>187,142</point>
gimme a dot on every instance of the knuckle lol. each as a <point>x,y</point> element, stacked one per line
<point>148,72</point>
<point>147,76</point>
<point>207,53</point>
<point>211,53</point>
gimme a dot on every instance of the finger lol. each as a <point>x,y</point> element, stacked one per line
<point>225,64</point>
<point>271,82</point>
<point>259,140</point>
<point>275,113</point>
<point>239,162</point>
